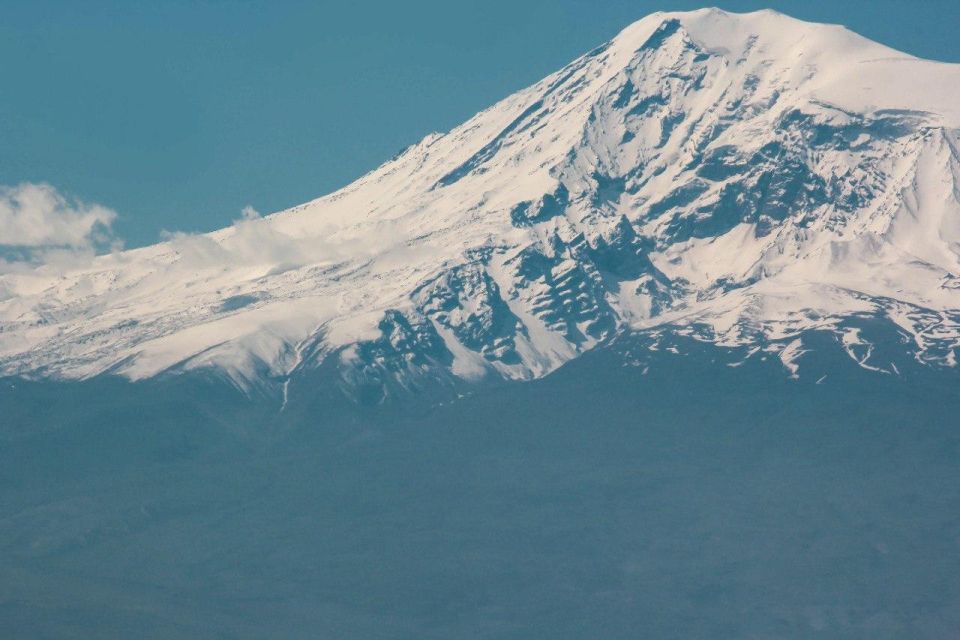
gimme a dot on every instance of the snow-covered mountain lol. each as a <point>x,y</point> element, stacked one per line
<point>741,180</point>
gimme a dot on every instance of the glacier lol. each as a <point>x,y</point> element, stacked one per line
<point>741,179</point>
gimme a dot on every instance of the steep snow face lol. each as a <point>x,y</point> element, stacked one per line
<point>741,179</point>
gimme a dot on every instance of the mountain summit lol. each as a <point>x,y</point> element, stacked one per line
<point>745,180</point>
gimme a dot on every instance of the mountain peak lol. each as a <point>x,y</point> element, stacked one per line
<point>832,63</point>
<point>714,27</point>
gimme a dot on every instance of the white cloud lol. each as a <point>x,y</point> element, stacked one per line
<point>249,213</point>
<point>251,241</point>
<point>38,216</point>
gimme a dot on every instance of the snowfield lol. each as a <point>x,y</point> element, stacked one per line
<point>739,179</point>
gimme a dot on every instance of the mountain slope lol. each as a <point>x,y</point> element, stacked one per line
<point>696,501</point>
<point>742,180</point>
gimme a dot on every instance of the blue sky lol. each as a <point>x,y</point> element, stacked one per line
<point>178,115</point>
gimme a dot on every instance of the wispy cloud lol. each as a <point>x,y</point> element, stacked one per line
<point>252,241</point>
<point>39,216</point>
<point>249,241</point>
<point>41,228</point>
